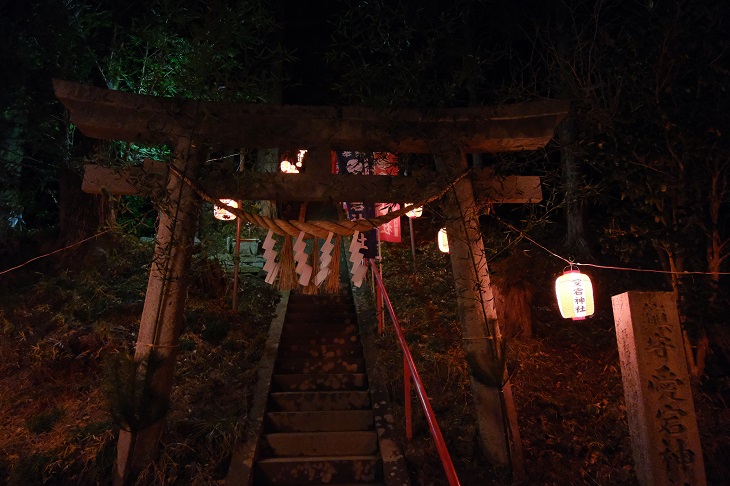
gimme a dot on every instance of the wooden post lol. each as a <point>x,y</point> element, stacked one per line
<point>413,244</point>
<point>481,336</point>
<point>160,324</point>
<point>236,263</point>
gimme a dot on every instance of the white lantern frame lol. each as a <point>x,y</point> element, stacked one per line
<point>574,291</point>
<point>415,212</point>
<point>443,240</point>
<point>221,213</point>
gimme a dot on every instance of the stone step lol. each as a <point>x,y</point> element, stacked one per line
<point>306,366</point>
<point>319,424</point>
<point>303,331</point>
<point>335,420</point>
<point>312,444</point>
<point>326,339</point>
<point>324,299</point>
<point>318,401</point>
<point>293,349</point>
<point>295,331</point>
<point>294,471</point>
<point>320,317</point>
<point>319,382</point>
<point>311,307</point>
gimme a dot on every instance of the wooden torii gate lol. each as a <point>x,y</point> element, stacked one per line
<point>192,128</point>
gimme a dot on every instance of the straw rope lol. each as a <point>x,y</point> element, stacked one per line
<point>312,288</point>
<point>318,229</point>
<point>332,282</point>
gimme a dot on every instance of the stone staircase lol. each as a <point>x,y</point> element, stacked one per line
<point>319,425</point>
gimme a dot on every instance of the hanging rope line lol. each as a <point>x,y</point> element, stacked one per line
<point>56,251</point>
<point>595,265</point>
<point>281,227</point>
<point>508,225</point>
<point>319,229</point>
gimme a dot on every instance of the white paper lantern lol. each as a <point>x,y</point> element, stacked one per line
<point>443,240</point>
<point>221,213</point>
<point>415,212</point>
<point>288,167</point>
<point>575,295</point>
<point>293,168</point>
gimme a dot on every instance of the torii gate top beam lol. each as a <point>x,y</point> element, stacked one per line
<point>116,115</point>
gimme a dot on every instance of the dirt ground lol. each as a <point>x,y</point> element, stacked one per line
<point>62,332</point>
<point>565,377</point>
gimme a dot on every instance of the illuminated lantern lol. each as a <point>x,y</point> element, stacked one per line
<point>288,167</point>
<point>575,295</point>
<point>222,214</point>
<point>443,241</point>
<point>415,212</point>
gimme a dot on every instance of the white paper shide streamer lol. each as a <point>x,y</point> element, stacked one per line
<point>359,269</point>
<point>325,258</point>
<point>303,269</point>
<point>271,267</point>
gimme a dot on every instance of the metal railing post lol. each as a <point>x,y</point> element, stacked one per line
<point>407,399</point>
<point>410,366</point>
<point>237,262</point>
<point>379,309</point>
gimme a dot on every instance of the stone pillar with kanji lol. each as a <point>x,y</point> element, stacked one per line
<point>664,437</point>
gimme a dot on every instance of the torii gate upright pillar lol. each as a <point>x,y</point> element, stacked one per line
<point>481,337</point>
<point>161,321</point>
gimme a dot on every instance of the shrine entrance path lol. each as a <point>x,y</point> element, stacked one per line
<point>318,417</point>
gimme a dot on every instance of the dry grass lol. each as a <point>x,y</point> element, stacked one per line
<point>60,331</point>
<point>566,382</point>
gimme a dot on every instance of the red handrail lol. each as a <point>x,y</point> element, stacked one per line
<point>410,368</point>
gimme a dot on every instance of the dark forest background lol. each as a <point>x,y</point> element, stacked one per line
<point>636,176</point>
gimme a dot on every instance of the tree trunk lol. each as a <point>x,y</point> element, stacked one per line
<point>160,324</point>
<point>12,154</point>
<point>481,336</point>
<point>572,183</point>
<point>80,214</point>
<point>514,309</point>
<point>716,246</point>
<point>571,174</point>
<point>268,161</point>
<point>673,264</point>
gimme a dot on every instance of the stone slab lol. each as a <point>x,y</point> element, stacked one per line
<point>335,420</point>
<point>330,443</point>
<point>297,471</point>
<point>662,422</point>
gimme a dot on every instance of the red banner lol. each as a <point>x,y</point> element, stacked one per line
<point>387,164</point>
<point>389,231</point>
<point>378,163</point>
